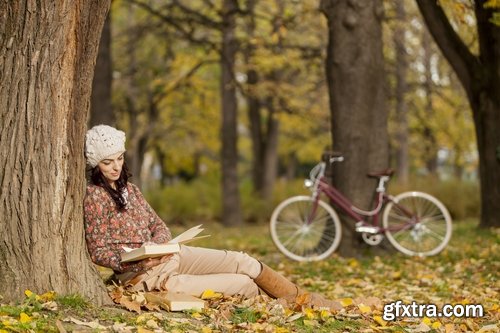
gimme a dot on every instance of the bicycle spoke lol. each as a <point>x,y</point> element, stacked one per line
<point>427,233</point>
<point>305,230</point>
<point>434,234</point>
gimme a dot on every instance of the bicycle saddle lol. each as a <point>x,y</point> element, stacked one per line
<point>387,172</point>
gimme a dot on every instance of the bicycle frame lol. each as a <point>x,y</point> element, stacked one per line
<point>360,216</point>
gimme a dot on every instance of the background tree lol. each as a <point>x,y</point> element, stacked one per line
<point>401,90</point>
<point>48,54</point>
<point>154,87</point>
<point>480,77</point>
<point>356,80</point>
<point>231,203</point>
<point>432,98</point>
<point>285,87</point>
<point>101,110</point>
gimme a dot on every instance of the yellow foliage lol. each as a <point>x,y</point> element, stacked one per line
<point>209,294</point>
<point>48,296</point>
<point>435,325</point>
<point>492,4</point>
<point>309,313</point>
<point>364,308</point>
<point>346,302</point>
<point>325,314</point>
<point>24,318</point>
<point>379,320</point>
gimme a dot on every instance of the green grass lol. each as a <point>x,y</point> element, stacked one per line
<point>245,315</point>
<point>467,271</point>
<point>73,301</point>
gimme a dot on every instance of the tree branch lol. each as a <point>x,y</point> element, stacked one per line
<point>451,45</point>
<point>174,23</point>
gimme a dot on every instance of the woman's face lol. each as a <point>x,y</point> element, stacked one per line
<point>111,167</point>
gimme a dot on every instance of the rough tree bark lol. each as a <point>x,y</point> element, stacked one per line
<point>231,206</point>
<point>402,153</point>
<point>480,77</point>
<point>356,83</point>
<point>48,51</point>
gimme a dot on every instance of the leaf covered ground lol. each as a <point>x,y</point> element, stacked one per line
<point>466,273</point>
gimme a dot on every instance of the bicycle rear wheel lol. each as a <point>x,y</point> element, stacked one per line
<point>417,224</point>
<point>304,229</point>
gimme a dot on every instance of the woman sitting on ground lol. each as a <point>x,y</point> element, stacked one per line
<point>117,216</point>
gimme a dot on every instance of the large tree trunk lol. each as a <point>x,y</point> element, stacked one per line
<point>402,160</point>
<point>356,82</point>
<point>231,207</point>
<point>48,53</point>
<point>101,111</point>
<point>480,77</point>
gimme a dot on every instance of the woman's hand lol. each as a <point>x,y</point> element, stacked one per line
<point>149,263</point>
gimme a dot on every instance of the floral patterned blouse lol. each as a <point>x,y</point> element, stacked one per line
<point>108,230</point>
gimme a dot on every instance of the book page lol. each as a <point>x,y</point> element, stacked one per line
<point>187,235</point>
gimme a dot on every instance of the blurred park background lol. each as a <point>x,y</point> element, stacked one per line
<point>158,77</point>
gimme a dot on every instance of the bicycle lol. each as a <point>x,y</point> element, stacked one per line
<point>306,228</point>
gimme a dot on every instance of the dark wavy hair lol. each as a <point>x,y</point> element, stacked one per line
<point>97,178</point>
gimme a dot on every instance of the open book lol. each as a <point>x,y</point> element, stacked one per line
<point>158,250</point>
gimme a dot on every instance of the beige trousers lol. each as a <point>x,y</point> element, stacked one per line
<point>195,269</point>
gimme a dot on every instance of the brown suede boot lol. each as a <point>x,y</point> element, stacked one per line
<point>277,286</point>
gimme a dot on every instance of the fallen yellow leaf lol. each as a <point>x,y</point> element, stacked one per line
<point>48,296</point>
<point>436,325</point>
<point>206,330</point>
<point>28,293</point>
<point>209,293</point>
<point>346,301</point>
<point>282,330</point>
<point>196,315</point>
<point>143,330</point>
<point>364,308</point>
<point>309,313</point>
<point>142,318</point>
<point>324,314</point>
<point>353,263</point>
<point>379,320</point>
<point>24,318</point>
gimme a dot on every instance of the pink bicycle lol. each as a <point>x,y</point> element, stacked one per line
<point>306,228</point>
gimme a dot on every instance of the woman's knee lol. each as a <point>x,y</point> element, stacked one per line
<point>247,264</point>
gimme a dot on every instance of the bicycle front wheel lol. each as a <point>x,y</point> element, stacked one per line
<point>304,229</point>
<point>417,224</point>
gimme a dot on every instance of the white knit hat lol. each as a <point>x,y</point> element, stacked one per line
<point>103,141</point>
